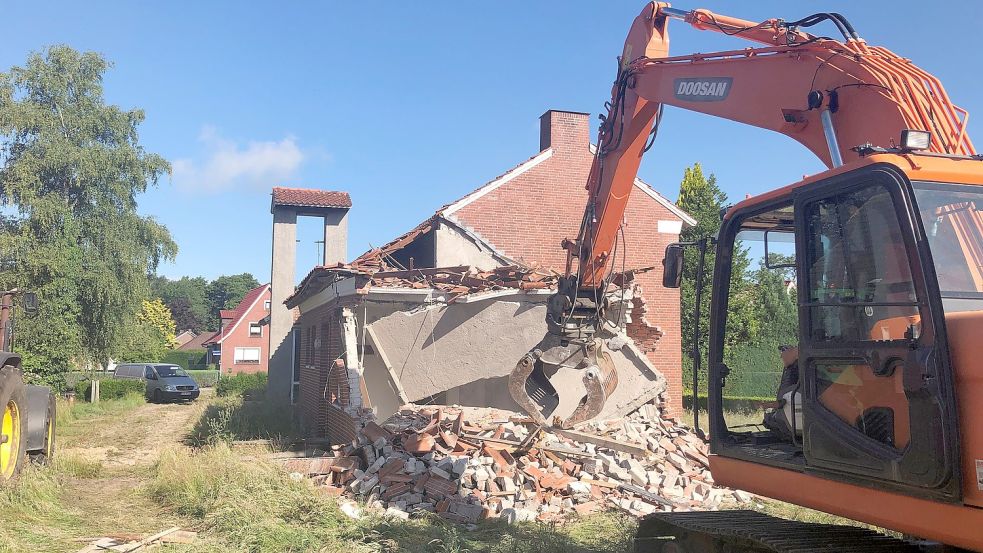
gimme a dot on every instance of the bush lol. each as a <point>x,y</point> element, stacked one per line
<point>245,384</point>
<point>205,379</point>
<point>190,359</point>
<point>111,389</point>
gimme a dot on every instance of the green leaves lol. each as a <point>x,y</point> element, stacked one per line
<point>72,168</point>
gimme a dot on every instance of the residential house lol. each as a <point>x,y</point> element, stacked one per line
<point>184,337</point>
<point>518,218</point>
<point>524,214</point>
<point>242,343</point>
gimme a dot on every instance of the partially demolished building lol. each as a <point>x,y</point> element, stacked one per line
<point>443,313</point>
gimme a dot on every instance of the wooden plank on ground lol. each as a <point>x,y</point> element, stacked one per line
<point>151,539</point>
<point>584,437</point>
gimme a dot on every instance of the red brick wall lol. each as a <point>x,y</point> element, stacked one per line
<point>240,338</point>
<point>527,217</point>
<point>324,390</point>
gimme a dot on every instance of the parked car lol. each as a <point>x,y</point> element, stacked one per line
<point>164,382</point>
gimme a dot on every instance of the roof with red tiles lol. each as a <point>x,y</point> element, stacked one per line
<point>303,197</point>
<point>209,338</point>
<point>240,311</point>
<point>226,313</point>
<point>198,342</point>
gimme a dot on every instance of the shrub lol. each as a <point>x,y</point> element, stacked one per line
<point>205,379</point>
<point>245,384</point>
<point>111,389</point>
<point>189,359</point>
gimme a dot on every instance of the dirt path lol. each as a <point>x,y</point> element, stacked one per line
<point>125,446</point>
<point>137,437</point>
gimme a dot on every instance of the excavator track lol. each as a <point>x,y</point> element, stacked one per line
<point>751,531</point>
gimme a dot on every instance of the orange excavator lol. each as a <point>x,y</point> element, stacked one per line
<point>888,265</point>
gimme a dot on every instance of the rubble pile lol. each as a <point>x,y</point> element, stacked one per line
<point>469,464</point>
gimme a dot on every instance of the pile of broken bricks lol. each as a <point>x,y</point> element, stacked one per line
<point>469,464</point>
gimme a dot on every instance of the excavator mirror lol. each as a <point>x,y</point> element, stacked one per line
<point>29,302</point>
<point>672,266</point>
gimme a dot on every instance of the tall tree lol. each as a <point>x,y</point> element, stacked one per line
<point>226,291</point>
<point>186,299</point>
<point>184,316</point>
<point>700,196</point>
<point>153,334</point>
<point>72,168</point>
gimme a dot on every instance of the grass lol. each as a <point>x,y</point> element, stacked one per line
<point>252,505</point>
<point>69,413</point>
<point>41,507</point>
<point>233,418</point>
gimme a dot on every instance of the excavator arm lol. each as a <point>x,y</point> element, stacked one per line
<point>838,98</point>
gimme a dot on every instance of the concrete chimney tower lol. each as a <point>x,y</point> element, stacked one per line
<point>288,204</point>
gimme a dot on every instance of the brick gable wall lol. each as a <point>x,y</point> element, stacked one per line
<point>527,217</point>
<point>240,338</point>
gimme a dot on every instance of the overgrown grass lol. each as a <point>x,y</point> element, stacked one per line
<point>233,418</point>
<point>69,413</point>
<point>33,513</point>
<point>252,505</point>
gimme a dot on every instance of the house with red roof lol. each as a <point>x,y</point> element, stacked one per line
<point>242,343</point>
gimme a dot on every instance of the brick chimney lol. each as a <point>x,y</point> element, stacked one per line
<point>562,130</point>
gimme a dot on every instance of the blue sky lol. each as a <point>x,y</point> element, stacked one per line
<point>409,105</point>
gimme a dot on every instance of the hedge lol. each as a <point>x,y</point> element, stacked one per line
<point>205,379</point>
<point>188,359</point>
<point>111,388</point>
<point>250,385</point>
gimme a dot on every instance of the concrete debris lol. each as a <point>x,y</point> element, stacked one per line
<point>469,464</point>
<point>463,280</point>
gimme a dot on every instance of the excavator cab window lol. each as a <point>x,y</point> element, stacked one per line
<point>861,290</point>
<point>850,350</point>
<point>952,215</point>
<point>760,353</point>
<point>875,378</point>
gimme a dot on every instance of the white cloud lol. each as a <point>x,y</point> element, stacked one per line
<point>230,165</point>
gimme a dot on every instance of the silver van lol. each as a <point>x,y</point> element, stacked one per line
<point>164,382</point>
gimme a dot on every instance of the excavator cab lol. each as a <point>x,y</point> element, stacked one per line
<point>864,309</point>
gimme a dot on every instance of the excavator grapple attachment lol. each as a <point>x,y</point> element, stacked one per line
<point>566,381</point>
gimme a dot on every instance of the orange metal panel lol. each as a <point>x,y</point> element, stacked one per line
<point>965,331</point>
<point>959,525</point>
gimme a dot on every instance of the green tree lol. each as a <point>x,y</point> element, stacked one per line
<point>700,196</point>
<point>153,334</point>
<point>72,168</point>
<point>226,291</point>
<point>187,300</point>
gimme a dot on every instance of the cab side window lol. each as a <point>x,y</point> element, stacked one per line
<point>861,292</point>
<point>860,284</point>
<point>148,373</point>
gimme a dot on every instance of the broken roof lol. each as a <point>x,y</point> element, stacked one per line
<point>199,341</point>
<point>454,282</point>
<point>380,257</point>
<point>303,197</point>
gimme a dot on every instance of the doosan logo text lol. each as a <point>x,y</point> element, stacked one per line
<point>707,89</point>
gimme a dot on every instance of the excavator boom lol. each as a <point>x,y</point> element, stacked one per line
<point>841,99</point>
<point>888,373</point>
